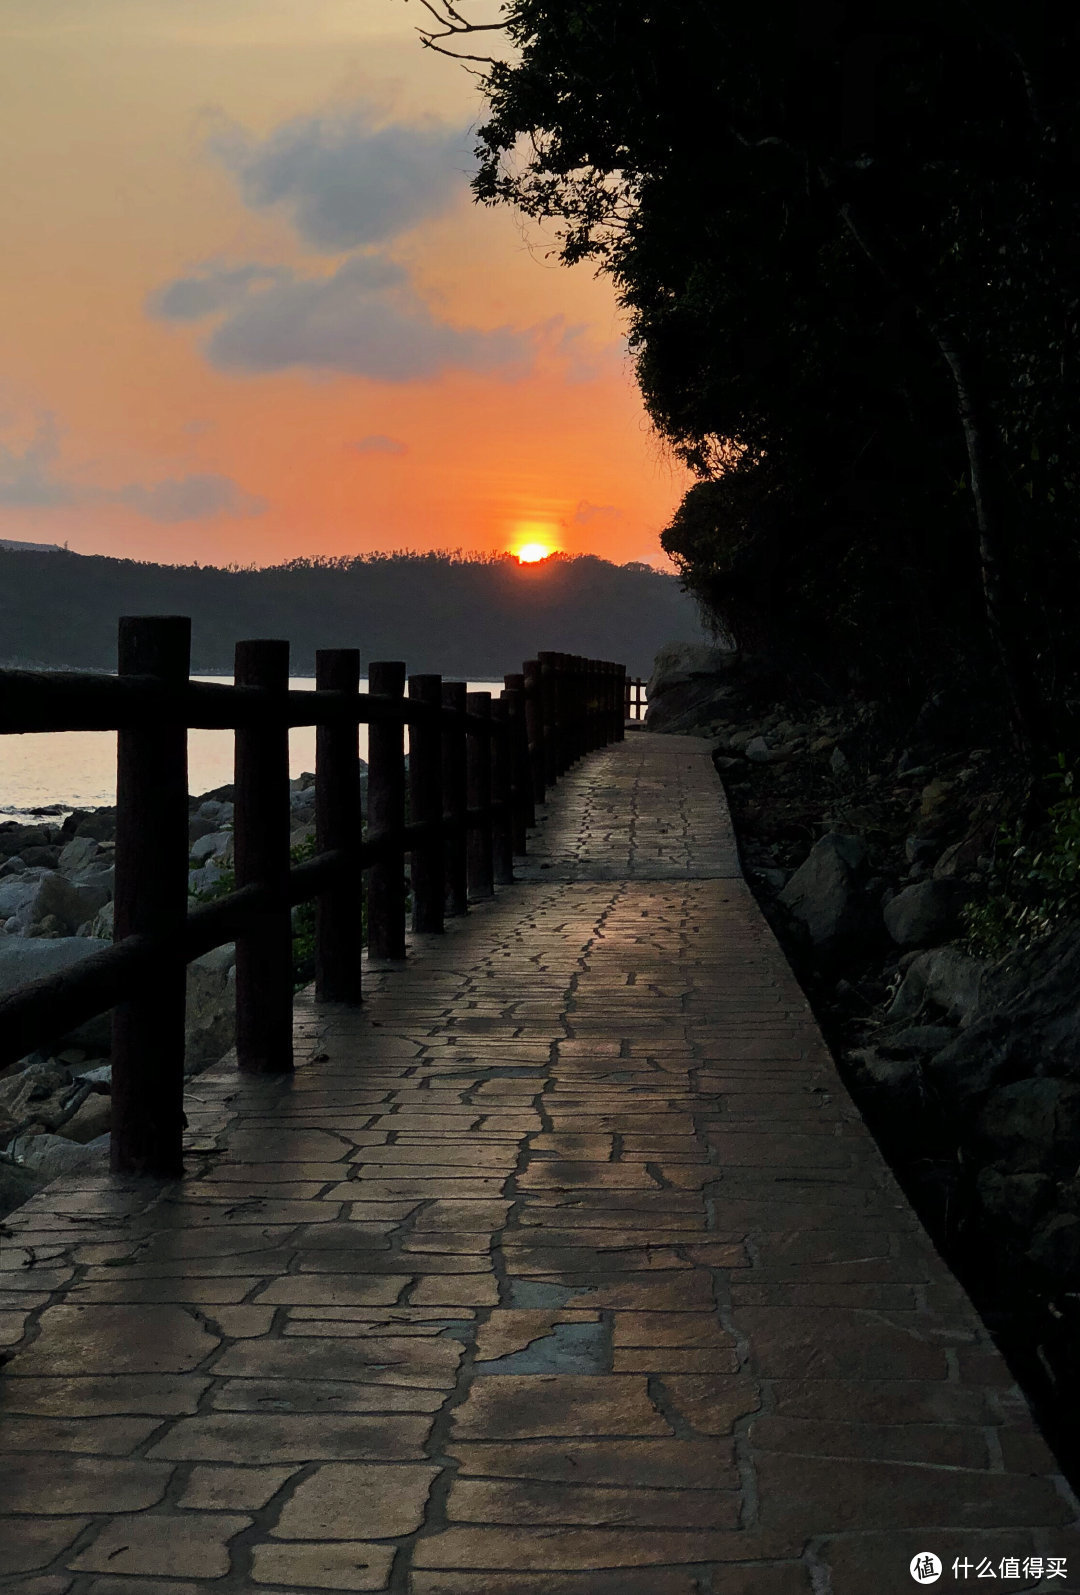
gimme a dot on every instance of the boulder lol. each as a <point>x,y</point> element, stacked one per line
<point>101,926</point>
<point>18,892</point>
<point>1032,1126</point>
<point>1028,1023</point>
<point>1055,1248</point>
<point>914,1041</point>
<point>69,903</point>
<point>1015,1201</point>
<point>77,855</point>
<point>825,895</point>
<point>50,1156</point>
<point>214,845</point>
<point>98,823</point>
<point>41,1094</point>
<point>93,1117</point>
<point>199,826</point>
<point>210,1024</point>
<point>686,677</point>
<point>945,977</point>
<point>924,914</point>
<point>17,1185</point>
<point>757,750</point>
<point>23,959</point>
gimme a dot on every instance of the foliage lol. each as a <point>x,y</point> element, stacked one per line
<point>846,240</point>
<point>303,916</point>
<point>1035,880</point>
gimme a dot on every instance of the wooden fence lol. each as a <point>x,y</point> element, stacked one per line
<point>634,699</point>
<point>459,812</point>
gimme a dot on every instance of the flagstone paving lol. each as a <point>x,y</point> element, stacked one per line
<point>563,1267</point>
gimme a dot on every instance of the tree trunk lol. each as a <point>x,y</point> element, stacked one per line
<point>1004,624</point>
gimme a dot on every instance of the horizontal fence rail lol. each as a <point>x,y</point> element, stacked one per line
<point>477,768</point>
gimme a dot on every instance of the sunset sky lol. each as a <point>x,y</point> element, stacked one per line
<point>251,310</point>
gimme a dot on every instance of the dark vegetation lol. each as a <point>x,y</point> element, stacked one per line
<point>472,616</point>
<point>847,240</point>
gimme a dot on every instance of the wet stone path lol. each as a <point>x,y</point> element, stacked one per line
<point>564,1267</point>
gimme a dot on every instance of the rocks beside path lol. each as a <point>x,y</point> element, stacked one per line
<point>56,907</point>
<point>863,842</point>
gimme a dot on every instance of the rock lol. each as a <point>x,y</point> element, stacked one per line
<point>206,878</point>
<point>70,903</point>
<point>98,823</point>
<point>891,1078</point>
<point>838,762</point>
<point>1055,1248</point>
<point>41,857</point>
<point>214,845</point>
<point>1014,1201</point>
<point>685,680</point>
<point>50,1156</point>
<point>923,914</point>
<point>23,960</point>
<point>943,976</point>
<point>99,1077</point>
<point>101,926</point>
<point>42,1094</point>
<point>919,1041</point>
<point>825,893</point>
<point>214,809</point>
<point>18,892</point>
<point>1028,1023</point>
<point>758,750</point>
<point>17,1185</point>
<point>1032,1126</point>
<point>199,826</point>
<point>210,1023</point>
<point>78,853</point>
<point>93,1117</point>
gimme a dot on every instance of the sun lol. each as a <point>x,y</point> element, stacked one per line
<point>532,553</point>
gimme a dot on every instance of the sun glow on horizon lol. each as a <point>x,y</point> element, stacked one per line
<point>532,553</point>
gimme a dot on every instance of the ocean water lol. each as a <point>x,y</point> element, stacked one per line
<point>58,771</point>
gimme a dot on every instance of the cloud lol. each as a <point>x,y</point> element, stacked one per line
<point>189,298</point>
<point>29,480</point>
<point>587,514</point>
<point>364,318</point>
<point>189,498</point>
<point>346,180</point>
<point>378,443</point>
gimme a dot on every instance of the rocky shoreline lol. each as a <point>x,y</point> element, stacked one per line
<point>863,842</point>
<point>56,907</point>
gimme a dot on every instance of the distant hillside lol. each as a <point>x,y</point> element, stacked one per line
<point>438,612</point>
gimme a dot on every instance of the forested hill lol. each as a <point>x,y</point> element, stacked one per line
<point>459,616</point>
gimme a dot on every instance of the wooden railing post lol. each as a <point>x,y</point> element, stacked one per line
<point>549,716</point>
<point>455,798</point>
<point>426,804</point>
<point>502,821</point>
<point>478,771</point>
<point>386,815</point>
<point>534,728</point>
<point>261,816</point>
<point>521,788</point>
<point>151,900</point>
<point>339,928</point>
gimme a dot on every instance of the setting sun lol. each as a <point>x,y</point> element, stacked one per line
<point>532,553</point>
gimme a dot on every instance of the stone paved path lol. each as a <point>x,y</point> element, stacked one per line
<point>566,1267</point>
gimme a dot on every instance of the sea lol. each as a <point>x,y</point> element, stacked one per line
<point>48,774</point>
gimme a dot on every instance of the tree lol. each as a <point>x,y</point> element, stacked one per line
<point>769,187</point>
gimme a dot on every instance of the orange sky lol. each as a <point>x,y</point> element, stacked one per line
<point>252,312</point>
